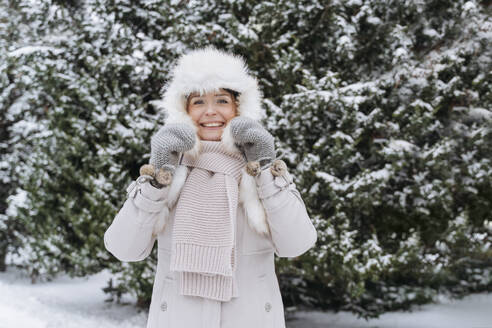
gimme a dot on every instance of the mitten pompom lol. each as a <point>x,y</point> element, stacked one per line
<point>164,177</point>
<point>253,168</point>
<point>147,169</point>
<point>278,168</point>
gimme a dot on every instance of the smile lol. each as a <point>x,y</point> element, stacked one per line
<point>212,125</point>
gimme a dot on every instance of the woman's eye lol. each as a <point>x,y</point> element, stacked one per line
<point>223,101</point>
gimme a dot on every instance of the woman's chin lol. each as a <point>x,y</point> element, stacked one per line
<point>211,135</point>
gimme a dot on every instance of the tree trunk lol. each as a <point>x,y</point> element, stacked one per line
<point>3,256</point>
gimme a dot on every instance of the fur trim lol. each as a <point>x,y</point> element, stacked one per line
<point>180,175</point>
<point>227,139</point>
<point>179,179</point>
<point>195,151</point>
<point>161,222</point>
<point>255,212</point>
<point>209,69</point>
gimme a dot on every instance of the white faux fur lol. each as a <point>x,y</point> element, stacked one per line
<point>248,196</point>
<point>209,69</point>
<point>227,139</point>
<point>179,179</point>
<point>161,222</point>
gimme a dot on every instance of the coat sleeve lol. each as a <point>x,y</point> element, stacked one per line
<point>291,228</point>
<point>130,236</point>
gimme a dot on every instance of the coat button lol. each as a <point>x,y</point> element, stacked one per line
<point>268,306</point>
<point>164,306</point>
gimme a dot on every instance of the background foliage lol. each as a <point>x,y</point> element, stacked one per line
<point>383,108</point>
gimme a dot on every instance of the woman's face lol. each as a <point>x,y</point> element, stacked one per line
<point>211,112</point>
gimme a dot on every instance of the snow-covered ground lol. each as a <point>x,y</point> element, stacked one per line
<point>79,303</point>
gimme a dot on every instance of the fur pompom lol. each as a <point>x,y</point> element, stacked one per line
<point>278,168</point>
<point>253,168</point>
<point>164,177</point>
<point>147,169</point>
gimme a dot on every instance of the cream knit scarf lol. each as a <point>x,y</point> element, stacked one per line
<point>203,240</point>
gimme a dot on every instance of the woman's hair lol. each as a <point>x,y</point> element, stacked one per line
<point>234,94</point>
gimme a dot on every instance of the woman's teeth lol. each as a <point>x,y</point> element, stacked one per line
<point>212,124</point>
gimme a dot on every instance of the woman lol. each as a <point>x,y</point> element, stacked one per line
<point>216,200</point>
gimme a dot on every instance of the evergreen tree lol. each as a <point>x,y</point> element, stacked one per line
<point>390,140</point>
<point>20,122</point>
<point>383,109</point>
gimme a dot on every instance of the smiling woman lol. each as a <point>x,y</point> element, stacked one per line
<point>212,111</point>
<point>217,220</point>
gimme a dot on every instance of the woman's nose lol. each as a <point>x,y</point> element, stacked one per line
<point>210,109</point>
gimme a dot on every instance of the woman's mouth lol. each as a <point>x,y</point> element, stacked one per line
<point>215,125</point>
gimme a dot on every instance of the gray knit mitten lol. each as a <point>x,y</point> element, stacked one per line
<point>166,145</point>
<point>256,143</point>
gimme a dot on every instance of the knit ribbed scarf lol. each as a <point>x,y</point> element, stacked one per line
<point>203,239</point>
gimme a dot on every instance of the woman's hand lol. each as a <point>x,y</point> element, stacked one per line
<point>166,145</point>
<point>256,142</point>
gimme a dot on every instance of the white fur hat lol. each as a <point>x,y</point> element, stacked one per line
<point>209,69</point>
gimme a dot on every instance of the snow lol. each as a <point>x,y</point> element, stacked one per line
<point>79,302</point>
<point>152,46</point>
<point>398,144</point>
<point>469,7</point>
<point>343,136</point>
<point>472,311</point>
<point>327,177</point>
<point>480,113</point>
<point>374,20</point>
<point>26,50</point>
<point>64,302</point>
<point>15,202</point>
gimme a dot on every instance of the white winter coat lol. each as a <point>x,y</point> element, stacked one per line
<point>259,305</point>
